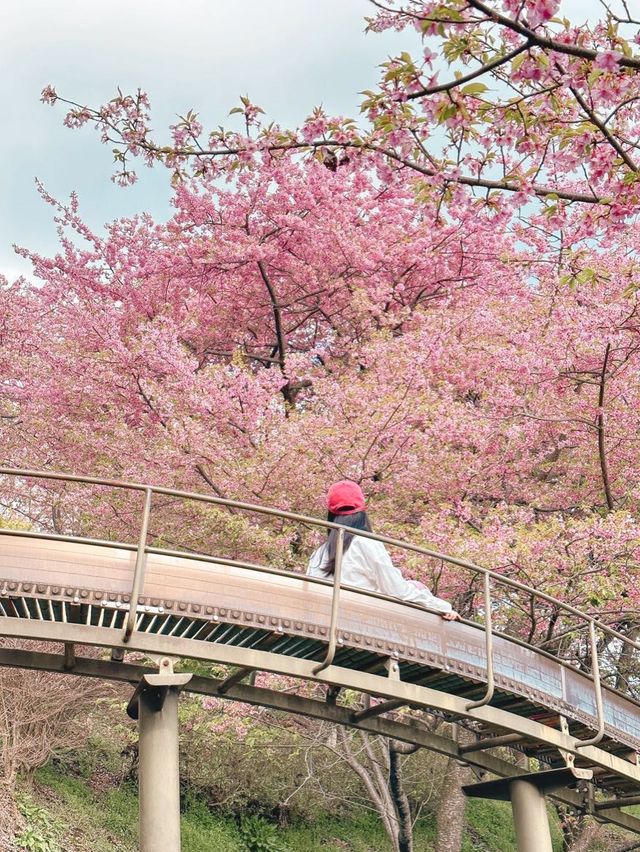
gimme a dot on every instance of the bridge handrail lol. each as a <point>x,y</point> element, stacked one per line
<point>490,576</point>
<point>501,579</point>
<point>320,522</point>
<point>297,575</point>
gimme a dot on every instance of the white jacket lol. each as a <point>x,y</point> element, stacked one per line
<point>367,565</point>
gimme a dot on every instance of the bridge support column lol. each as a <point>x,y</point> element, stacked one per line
<point>526,793</point>
<point>530,817</point>
<point>155,705</point>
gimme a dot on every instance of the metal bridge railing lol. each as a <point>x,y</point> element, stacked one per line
<point>491,579</point>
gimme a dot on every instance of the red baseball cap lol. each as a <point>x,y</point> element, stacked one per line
<point>345,498</point>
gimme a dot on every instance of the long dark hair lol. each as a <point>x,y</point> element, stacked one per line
<point>357,521</point>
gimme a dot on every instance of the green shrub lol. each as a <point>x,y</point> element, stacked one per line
<point>38,834</point>
<point>258,835</point>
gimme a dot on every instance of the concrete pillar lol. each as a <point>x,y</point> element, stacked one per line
<point>526,793</point>
<point>155,705</point>
<point>159,777</point>
<point>530,817</point>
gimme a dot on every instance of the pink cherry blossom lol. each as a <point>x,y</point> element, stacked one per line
<point>608,61</point>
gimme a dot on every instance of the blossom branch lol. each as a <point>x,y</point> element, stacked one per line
<point>473,75</point>
<point>601,125</point>
<point>170,155</point>
<point>543,41</point>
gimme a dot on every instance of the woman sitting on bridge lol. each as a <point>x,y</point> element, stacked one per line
<point>366,562</point>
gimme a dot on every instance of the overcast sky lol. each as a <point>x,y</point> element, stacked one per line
<point>288,55</point>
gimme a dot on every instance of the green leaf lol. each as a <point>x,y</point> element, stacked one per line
<point>586,276</point>
<point>593,75</point>
<point>444,11</point>
<point>474,89</point>
<point>446,112</point>
<point>518,60</point>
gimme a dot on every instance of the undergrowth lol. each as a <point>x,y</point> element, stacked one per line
<point>66,815</point>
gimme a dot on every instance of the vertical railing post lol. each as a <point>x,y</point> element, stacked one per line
<point>138,573</point>
<point>597,687</point>
<point>335,600</point>
<point>488,630</point>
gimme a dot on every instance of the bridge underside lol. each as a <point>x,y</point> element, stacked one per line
<point>407,729</point>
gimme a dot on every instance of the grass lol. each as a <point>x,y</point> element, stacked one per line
<point>108,821</point>
<point>93,822</point>
<point>490,827</point>
<point>89,820</point>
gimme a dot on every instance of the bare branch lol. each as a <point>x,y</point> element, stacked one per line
<point>600,426</point>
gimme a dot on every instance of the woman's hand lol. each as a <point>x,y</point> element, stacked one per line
<point>451,616</point>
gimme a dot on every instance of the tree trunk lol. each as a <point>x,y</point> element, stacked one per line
<point>450,814</point>
<point>370,774</point>
<point>588,831</point>
<point>10,818</point>
<point>451,805</point>
<point>400,800</point>
<point>578,830</point>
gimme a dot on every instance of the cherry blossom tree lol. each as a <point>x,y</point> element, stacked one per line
<point>440,303</point>
<point>477,108</point>
<point>302,325</point>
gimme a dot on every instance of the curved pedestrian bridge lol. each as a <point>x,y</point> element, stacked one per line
<point>574,712</point>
